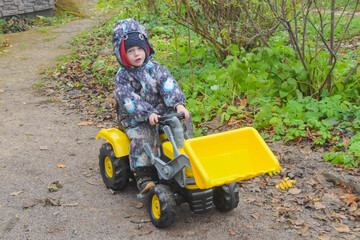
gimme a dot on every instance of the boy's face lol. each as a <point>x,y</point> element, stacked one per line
<point>136,56</point>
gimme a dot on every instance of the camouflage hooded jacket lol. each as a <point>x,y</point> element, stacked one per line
<point>140,91</point>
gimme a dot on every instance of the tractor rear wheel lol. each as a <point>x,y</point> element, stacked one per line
<point>226,197</point>
<point>161,206</point>
<point>114,171</point>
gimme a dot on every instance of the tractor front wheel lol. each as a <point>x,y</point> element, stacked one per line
<point>114,171</point>
<point>226,197</point>
<point>161,206</point>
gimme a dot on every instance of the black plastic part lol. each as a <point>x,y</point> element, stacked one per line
<point>167,206</point>
<point>179,199</point>
<point>200,200</point>
<point>226,197</point>
<point>121,169</point>
<point>146,172</point>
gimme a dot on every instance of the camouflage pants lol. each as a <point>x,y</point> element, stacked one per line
<point>145,133</point>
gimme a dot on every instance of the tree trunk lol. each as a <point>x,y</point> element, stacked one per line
<point>332,28</point>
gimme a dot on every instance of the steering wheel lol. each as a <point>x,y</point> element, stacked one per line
<point>163,118</point>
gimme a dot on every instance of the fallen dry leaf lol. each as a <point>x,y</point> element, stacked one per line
<point>356,214</point>
<point>299,222</point>
<point>331,198</point>
<point>323,237</point>
<point>283,209</point>
<point>338,216</point>
<point>346,141</point>
<point>145,232</point>
<point>243,102</point>
<point>311,182</point>
<point>30,204</point>
<point>275,200</point>
<point>85,123</point>
<point>340,227</point>
<point>54,186</point>
<point>51,202</point>
<point>16,193</point>
<point>319,205</point>
<point>71,204</point>
<point>93,182</point>
<point>255,216</point>
<point>213,124</point>
<point>232,232</point>
<point>140,221</point>
<point>305,231</point>
<point>349,198</point>
<point>61,166</point>
<point>250,200</point>
<point>100,125</point>
<point>294,191</point>
<point>139,205</point>
<point>350,237</point>
<point>43,147</point>
<point>320,217</point>
<point>2,90</point>
<point>353,207</point>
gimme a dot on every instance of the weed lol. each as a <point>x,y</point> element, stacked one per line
<point>49,39</point>
<point>68,7</point>
<point>39,84</point>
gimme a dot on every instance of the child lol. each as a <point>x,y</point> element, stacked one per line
<point>144,90</point>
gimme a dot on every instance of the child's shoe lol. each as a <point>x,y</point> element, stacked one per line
<point>143,178</point>
<point>144,184</point>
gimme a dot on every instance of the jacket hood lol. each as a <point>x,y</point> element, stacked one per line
<point>121,29</point>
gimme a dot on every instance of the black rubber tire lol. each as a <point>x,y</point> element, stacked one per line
<point>164,213</point>
<point>226,197</point>
<point>120,168</point>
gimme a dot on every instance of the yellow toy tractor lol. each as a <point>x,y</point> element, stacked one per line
<point>201,171</point>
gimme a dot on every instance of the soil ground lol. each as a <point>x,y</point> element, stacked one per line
<point>41,143</point>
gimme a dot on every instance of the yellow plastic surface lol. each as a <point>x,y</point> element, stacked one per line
<point>169,152</point>
<point>229,156</point>
<point>118,140</point>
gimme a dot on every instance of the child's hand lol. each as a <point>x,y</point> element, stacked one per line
<point>153,119</point>
<point>181,109</point>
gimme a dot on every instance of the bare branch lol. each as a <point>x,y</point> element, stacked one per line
<point>337,47</point>
<point>351,72</point>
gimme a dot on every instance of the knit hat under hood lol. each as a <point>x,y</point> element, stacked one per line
<point>128,33</point>
<point>135,39</point>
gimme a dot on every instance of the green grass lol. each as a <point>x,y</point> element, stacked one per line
<point>49,39</point>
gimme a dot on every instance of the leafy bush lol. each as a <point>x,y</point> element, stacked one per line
<point>15,24</point>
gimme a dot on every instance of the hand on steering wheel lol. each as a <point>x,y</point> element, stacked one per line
<point>154,119</point>
<point>181,109</point>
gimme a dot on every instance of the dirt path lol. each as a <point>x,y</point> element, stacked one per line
<point>38,137</point>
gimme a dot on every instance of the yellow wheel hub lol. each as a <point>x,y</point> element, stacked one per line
<point>108,167</point>
<point>156,207</point>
